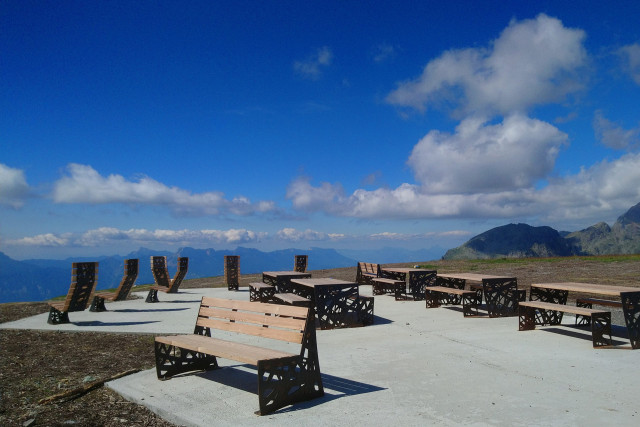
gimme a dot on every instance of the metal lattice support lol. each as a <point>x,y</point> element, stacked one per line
<point>501,296</point>
<point>419,280</point>
<point>601,327</point>
<point>57,317</point>
<point>526,318</point>
<point>432,299</point>
<point>469,305</point>
<point>232,272</point>
<point>334,304</point>
<point>172,360</point>
<point>364,310</point>
<point>583,320</point>
<point>450,282</point>
<point>261,292</point>
<point>556,296</point>
<point>631,309</point>
<point>300,263</point>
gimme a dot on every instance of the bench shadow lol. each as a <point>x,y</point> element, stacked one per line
<point>134,310</point>
<point>245,379</point>
<point>584,332</point>
<point>99,323</point>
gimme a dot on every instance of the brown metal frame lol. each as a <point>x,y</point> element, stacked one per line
<point>232,272</point>
<point>174,284</point>
<point>300,263</point>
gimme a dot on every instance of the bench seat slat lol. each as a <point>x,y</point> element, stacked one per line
<point>582,311</point>
<point>447,290</point>
<point>244,353</point>
<point>259,331</point>
<point>256,319</point>
<point>282,310</point>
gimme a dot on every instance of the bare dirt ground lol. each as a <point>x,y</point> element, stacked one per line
<point>37,365</point>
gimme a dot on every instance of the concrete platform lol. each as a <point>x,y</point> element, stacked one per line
<point>414,366</point>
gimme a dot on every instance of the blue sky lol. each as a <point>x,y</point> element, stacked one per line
<point>276,124</point>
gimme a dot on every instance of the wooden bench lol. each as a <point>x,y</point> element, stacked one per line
<point>262,292</point>
<point>588,303</point>
<point>382,286</point>
<point>160,273</point>
<point>291,299</point>
<point>84,278</point>
<point>367,271</point>
<point>283,377</point>
<point>128,279</point>
<point>433,298</point>
<point>529,317</point>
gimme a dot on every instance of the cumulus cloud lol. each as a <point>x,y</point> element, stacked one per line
<point>106,235</point>
<point>13,186</point>
<point>586,196</point>
<point>480,157</point>
<point>312,66</point>
<point>615,136</point>
<point>532,62</point>
<point>83,184</point>
<point>630,56</point>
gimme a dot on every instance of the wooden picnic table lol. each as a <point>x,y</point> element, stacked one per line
<point>501,293</point>
<point>337,303</point>
<point>281,279</point>
<point>557,293</point>
<point>418,278</point>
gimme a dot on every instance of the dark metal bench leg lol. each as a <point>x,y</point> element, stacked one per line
<point>601,326</point>
<point>469,305</point>
<point>583,320</point>
<point>97,304</point>
<point>432,299</point>
<point>631,309</point>
<point>152,296</point>
<point>57,317</point>
<point>527,318</point>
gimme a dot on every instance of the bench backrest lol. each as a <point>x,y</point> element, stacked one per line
<point>368,268</point>
<point>300,263</point>
<point>128,279</point>
<point>159,270</point>
<point>279,322</point>
<point>84,278</point>
<point>183,266</point>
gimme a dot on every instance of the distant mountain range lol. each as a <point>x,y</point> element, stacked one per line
<point>42,279</point>
<point>522,240</point>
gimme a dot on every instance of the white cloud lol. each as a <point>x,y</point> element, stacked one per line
<point>614,136</point>
<point>13,186</point>
<point>630,55</point>
<point>312,67</point>
<point>293,235</point>
<point>532,62</point>
<point>107,235</point>
<point>486,158</point>
<point>85,185</point>
<point>604,188</point>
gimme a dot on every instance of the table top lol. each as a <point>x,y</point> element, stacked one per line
<point>312,283</point>
<point>285,273</point>
<point>591,288</point>
<point>472,277</point>
<point>403,269</point>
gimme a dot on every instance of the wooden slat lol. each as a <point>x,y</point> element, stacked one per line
<point>252,306</point>
<point>446,290</point>
<point>244,328</point>
<point>258,319</point>
<point>587,288</point>
<point>221,348</point>
<point>605,302</point>
<point>562,307</point>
